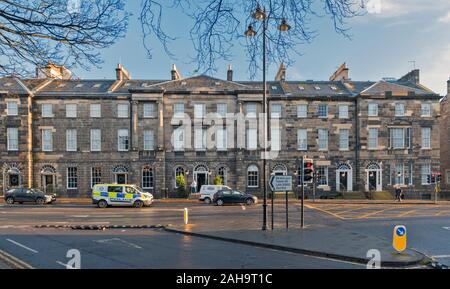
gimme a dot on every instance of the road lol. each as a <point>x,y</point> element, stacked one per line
<point>428,231</point>
<point>47,248</point>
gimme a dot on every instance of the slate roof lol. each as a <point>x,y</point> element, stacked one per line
<point>316,88</point>
<point>77,87</point>
<point>11,85</point>
<point>204,83</point>
<point>397,89</point>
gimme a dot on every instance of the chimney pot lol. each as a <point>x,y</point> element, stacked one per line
<point>122,73</point>
<point>448,86</point>
<point>175,74</point>
<point>230,73</point>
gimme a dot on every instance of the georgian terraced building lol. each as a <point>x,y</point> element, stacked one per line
<point>65,135</point>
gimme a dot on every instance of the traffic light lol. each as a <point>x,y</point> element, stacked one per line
<point>308,170</point>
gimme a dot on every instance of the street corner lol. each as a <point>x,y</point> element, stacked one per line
<point>386,210</point>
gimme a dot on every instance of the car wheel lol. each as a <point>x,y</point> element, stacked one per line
<point>102,204</point>
<point>10,201</point>
<point>220,202</point>
<point>207,201</point>
<point>249,202</point>
<point>138,204</point>
<point>40,201</point>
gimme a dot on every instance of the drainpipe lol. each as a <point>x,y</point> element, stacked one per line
<point>30,141</point>
<point>357,145</point>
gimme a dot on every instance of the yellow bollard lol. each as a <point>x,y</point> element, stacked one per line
<point>186,216</point>
<point>399,239</point>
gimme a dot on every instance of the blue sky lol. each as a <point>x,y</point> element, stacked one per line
<point>383,44</point>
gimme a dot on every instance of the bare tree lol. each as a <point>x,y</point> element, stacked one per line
<point>71,32</point>
<point>217,25</point>
<point>66,32</point>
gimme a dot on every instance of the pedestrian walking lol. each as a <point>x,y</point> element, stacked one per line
<point>398,193</point>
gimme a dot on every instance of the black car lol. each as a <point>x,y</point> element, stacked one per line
<point>23,195</point>
<point>233,197</point>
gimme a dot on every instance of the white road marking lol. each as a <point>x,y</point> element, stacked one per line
<point>14,226</point>
<point>61,263</point>
<point>120,241</point>
<point>80,216</point>
<point>441,256</point>
<point>23,246</point>
<point>446,228</point>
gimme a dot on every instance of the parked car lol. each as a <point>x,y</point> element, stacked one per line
<point>23,195</point>
<point>233,197</point>
<point>105,195</point>
<point>207,192</point>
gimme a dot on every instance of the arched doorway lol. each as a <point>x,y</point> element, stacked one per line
<point>48,179</point>
<point>344,178</point>
<point>374,178</point>
<point>120,175</point>
<point>279,170</point>
<point>201,176</point>
<point>12,178</point>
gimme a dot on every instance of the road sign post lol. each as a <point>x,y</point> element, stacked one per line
<point>281,184</point>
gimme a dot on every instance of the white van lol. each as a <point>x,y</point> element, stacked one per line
<point>207,192</point>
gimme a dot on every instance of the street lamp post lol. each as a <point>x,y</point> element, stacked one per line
<point>260,15</point>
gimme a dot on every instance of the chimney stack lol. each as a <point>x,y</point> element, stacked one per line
<point>122,73</point>
<point>53,71</point>
<point>230,73</point>
<point>175,73</point>
<point>341,74</point>
<point>281,74</point>
<point>448,86</point>
<point>412,76</point>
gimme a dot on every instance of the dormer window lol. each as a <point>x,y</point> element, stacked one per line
<point>333,87</point>
<point>97,85</point>
<point>79,85</point>
<point>301,87</point>
<point>316,87</point>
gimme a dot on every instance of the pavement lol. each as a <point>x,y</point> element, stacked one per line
<point>337,234</point>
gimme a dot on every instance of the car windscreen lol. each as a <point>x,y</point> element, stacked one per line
<point>36,191</point>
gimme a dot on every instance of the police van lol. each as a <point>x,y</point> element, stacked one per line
<point>120,195</point>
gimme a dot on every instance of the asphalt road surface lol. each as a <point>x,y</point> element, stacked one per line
<point>428,232</point>
<point>155,249</point>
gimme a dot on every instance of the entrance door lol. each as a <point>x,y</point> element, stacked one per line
<point>374,178</point>
<point>201,179</point>
<point>14,180</point>
<point>343,180</point>
<point>121,179</point>
<point>373,181</point>
<point>49,183</point>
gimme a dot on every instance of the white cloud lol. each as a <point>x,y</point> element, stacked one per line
<point>445,18</point>
<point>436,69</point>
<point>396,8</point>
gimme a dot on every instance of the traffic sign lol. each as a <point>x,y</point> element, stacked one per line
<point>280,183</point>
<point>399,239</point>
